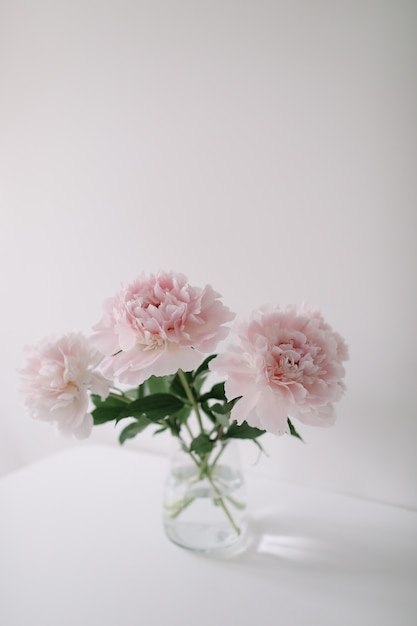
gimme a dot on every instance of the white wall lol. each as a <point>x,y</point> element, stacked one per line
<point>267,148</point>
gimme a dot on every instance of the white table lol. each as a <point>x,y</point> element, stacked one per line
<point>82,544</point>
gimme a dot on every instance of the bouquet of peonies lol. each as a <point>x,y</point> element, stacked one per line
<point>157,336</point>
<point>148,360</point>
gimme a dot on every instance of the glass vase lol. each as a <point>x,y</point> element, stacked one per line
<point>204,505</point>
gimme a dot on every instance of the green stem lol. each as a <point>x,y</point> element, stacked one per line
<point>205,469</point>
<point>120,396</point>
<point>178,507</point>
<point>217,457</point>
<point>203,466</point>
<point>220,501</point>
<point>191,398</point>
<point>204,463</point>
<point>188,429</point>
<point>206,472</point>
<point>187,451</point>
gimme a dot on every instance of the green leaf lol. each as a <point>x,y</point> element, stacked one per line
<point>176,386</point>
<point>106,410</point>
<point>104,414</point>
<point>222,420</point>
<point>134,429</point>
<point>201,373</point>
<point>141,391</point>
<point>221,409</point>
<point>202,444</point>
<point>158,384</point>
<point>109,401</point>
<point>218,413</point>
<point>208,412</point>
<point>161,430</point>
<point>243,431</point>
<point>259,446</point>
<point>97,401</point>
<point>293,431</point>
<point>132,394</point>
<point>215,393</point>
<point>155,407</point>
<point>203,368</point>
<point>183,414</point>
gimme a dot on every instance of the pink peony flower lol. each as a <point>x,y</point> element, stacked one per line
<point>287,363</point>
<point>158,324</point>
<point>56,379</point>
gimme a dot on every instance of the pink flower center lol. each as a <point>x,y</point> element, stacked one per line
<point>285,364</point>
<point>158,314</point>
<point>292,359</point>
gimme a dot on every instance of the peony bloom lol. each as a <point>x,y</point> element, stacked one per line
<point>287,363</point>
<point>56,380</point>
<point>158,324</point>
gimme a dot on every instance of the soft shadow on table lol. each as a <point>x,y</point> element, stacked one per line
<point>269,540</point>
<point>362,567</point>
<point>276,540</point>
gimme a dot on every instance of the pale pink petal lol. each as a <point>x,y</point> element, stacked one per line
<point>244,406</point>
<point>57,379</point>
<point>292,359</point>
<point>158,324</point>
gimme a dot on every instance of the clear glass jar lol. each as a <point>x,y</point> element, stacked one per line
<point>204,505</point>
